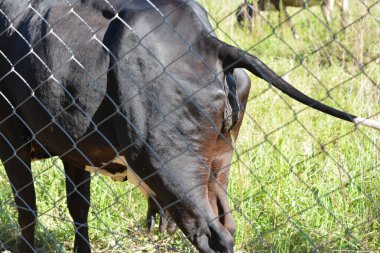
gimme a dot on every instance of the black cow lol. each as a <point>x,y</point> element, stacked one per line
<point>145,80</point>
<point>247,11</point>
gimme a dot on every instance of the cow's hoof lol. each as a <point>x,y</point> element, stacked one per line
<point>172,227</point>
<point>166,224</point>
<point>151,222</point>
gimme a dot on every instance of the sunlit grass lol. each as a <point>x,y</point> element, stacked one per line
<point>304,180</point>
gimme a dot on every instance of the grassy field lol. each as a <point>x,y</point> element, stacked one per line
<point>300,180</point>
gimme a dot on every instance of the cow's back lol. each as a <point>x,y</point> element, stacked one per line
<point>54,70</point>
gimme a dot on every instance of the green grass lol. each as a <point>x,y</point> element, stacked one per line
<point>300,179</point>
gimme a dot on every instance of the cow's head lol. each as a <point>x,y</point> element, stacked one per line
<point>176,104</point>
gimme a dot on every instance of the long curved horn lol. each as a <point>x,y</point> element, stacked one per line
<point>236,58</point>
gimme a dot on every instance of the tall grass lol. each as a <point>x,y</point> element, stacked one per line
<point>300,180</point>
<point>306,180</point>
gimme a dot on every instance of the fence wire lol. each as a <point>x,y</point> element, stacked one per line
<point>298,180</point>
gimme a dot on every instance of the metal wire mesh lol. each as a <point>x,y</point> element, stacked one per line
<point>300,181</point>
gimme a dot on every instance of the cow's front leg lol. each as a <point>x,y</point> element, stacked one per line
<point>78,201</point>
<point>17,167</point>
<point>151,214</point>
<point>327,7</point>
<point>345,14</point>
<point>290,24</point>
<point>165,222</point>
<point>281,7</point>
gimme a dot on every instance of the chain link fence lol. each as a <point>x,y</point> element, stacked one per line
<point>300,180</point>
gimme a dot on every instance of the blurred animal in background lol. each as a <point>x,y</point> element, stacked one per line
<point>248,11</point>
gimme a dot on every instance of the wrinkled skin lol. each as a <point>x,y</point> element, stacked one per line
<point>143,94</point>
